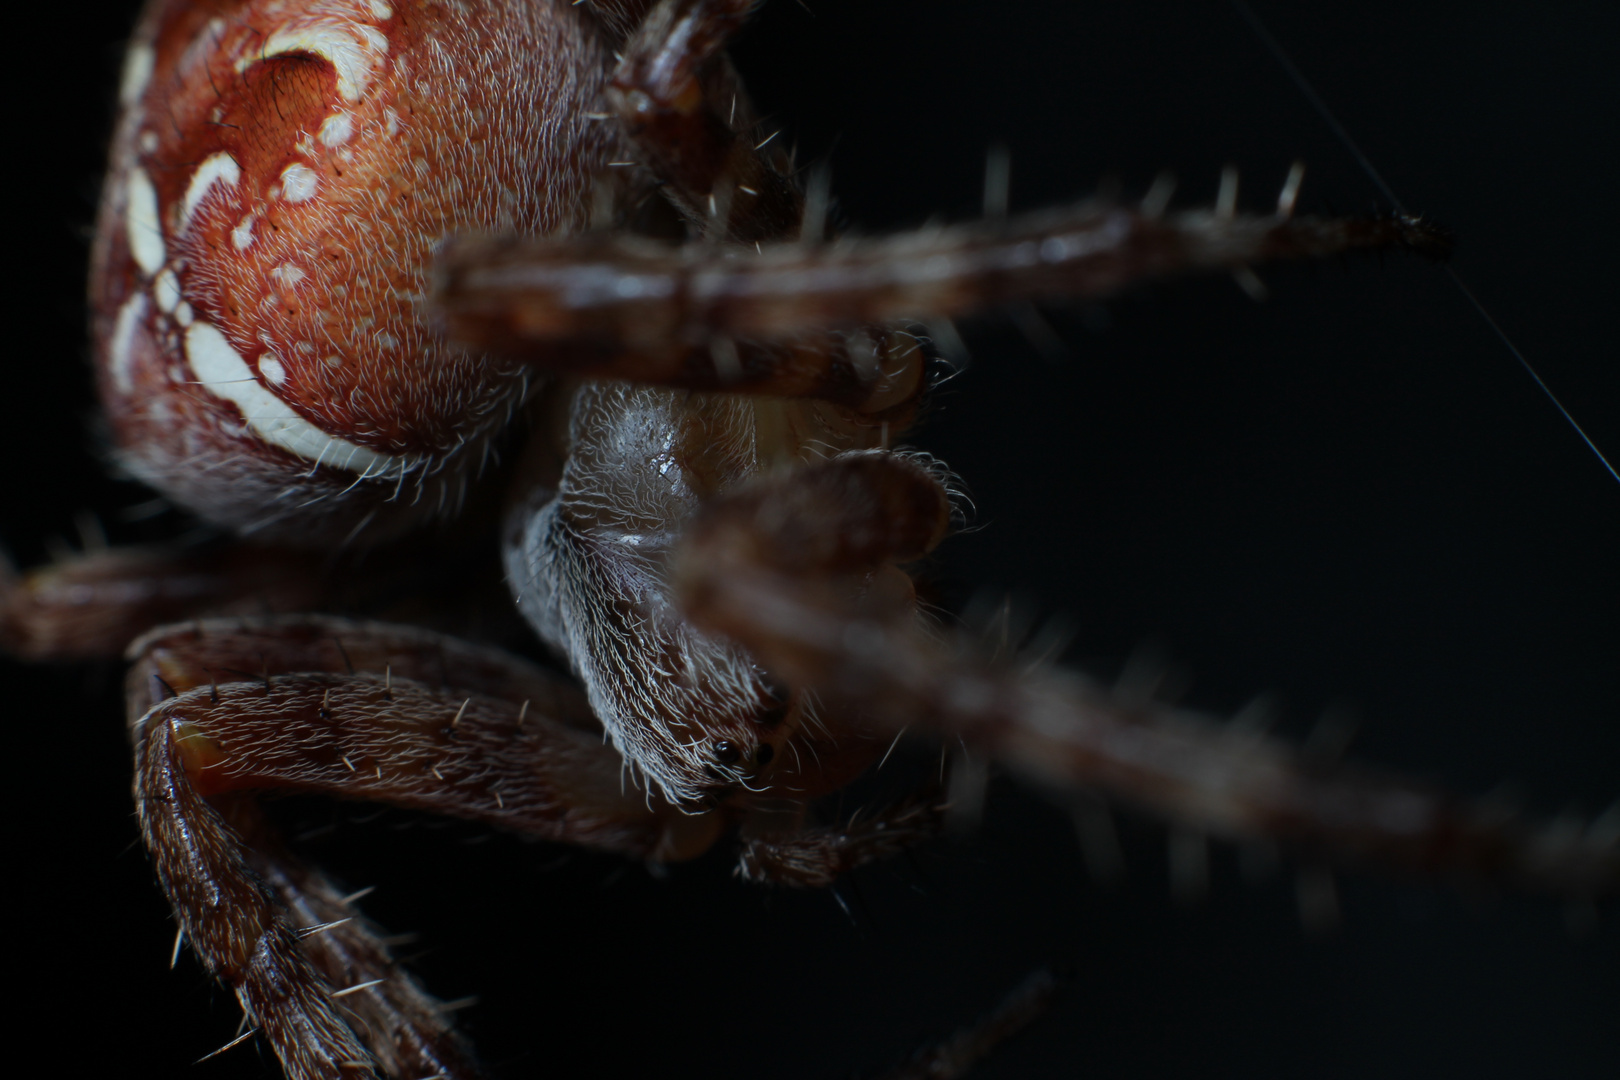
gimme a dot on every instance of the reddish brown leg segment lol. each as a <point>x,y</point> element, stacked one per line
<point>328,997</point>
<point>779,320</point>
<point>779,569</point>
<point>629,292</point>
<point>677,98</point>
<point>527,301</point>
<point>817,857</point>
<point>404,1028</point>
<point>91,606</point>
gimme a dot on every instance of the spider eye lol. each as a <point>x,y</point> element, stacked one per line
<point>726,752</point>
<point>281,175</point>
<point>765,754</point>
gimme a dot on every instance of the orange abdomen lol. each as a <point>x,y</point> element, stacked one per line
<point>280,178</point>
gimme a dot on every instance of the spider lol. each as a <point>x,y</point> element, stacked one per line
<point>1236,684</point>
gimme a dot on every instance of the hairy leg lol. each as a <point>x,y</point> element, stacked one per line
<point>795,569</point>
<point>90,606</point>
<point>400,1025</point>
<point>818,856</point>
<point>788,319</point>
<point>683,107</point>
<point>422,729</point>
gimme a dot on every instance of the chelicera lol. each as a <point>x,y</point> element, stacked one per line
<point>339,674</point>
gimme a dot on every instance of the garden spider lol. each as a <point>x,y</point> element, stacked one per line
<point>1154,957</point>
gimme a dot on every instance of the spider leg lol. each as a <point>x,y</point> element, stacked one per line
<point>683,107</point>
<point>794,569</point>
<point>823,320</point>
<point>497,296</point>
<point>90,606</point>
<point>955,1057</point>
<point>390,714</point>
<point>405,1030</point>
<point>818,856</point>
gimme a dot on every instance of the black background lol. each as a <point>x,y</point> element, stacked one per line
<point>1348,493</point>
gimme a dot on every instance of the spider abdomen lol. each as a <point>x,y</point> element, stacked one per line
<point>281,176</point>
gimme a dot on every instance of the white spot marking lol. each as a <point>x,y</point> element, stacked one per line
<point>288,274</point>
<point>166,290</point>
<point>381,11</point>
<point>182,314</point>
<point>137,74</point>
<point>272,370</point>
<point>298,182</point>
<point>219,367</point>
<point>391,122</point>
<point>352,50</point>
<point>242,235</point>
<point>121,354</point>
<point>220,167</point>
<point>141,221</point>
<point>336,129</point>
<point>148,141</point>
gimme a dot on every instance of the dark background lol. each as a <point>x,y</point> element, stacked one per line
<point>1350,493</point>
